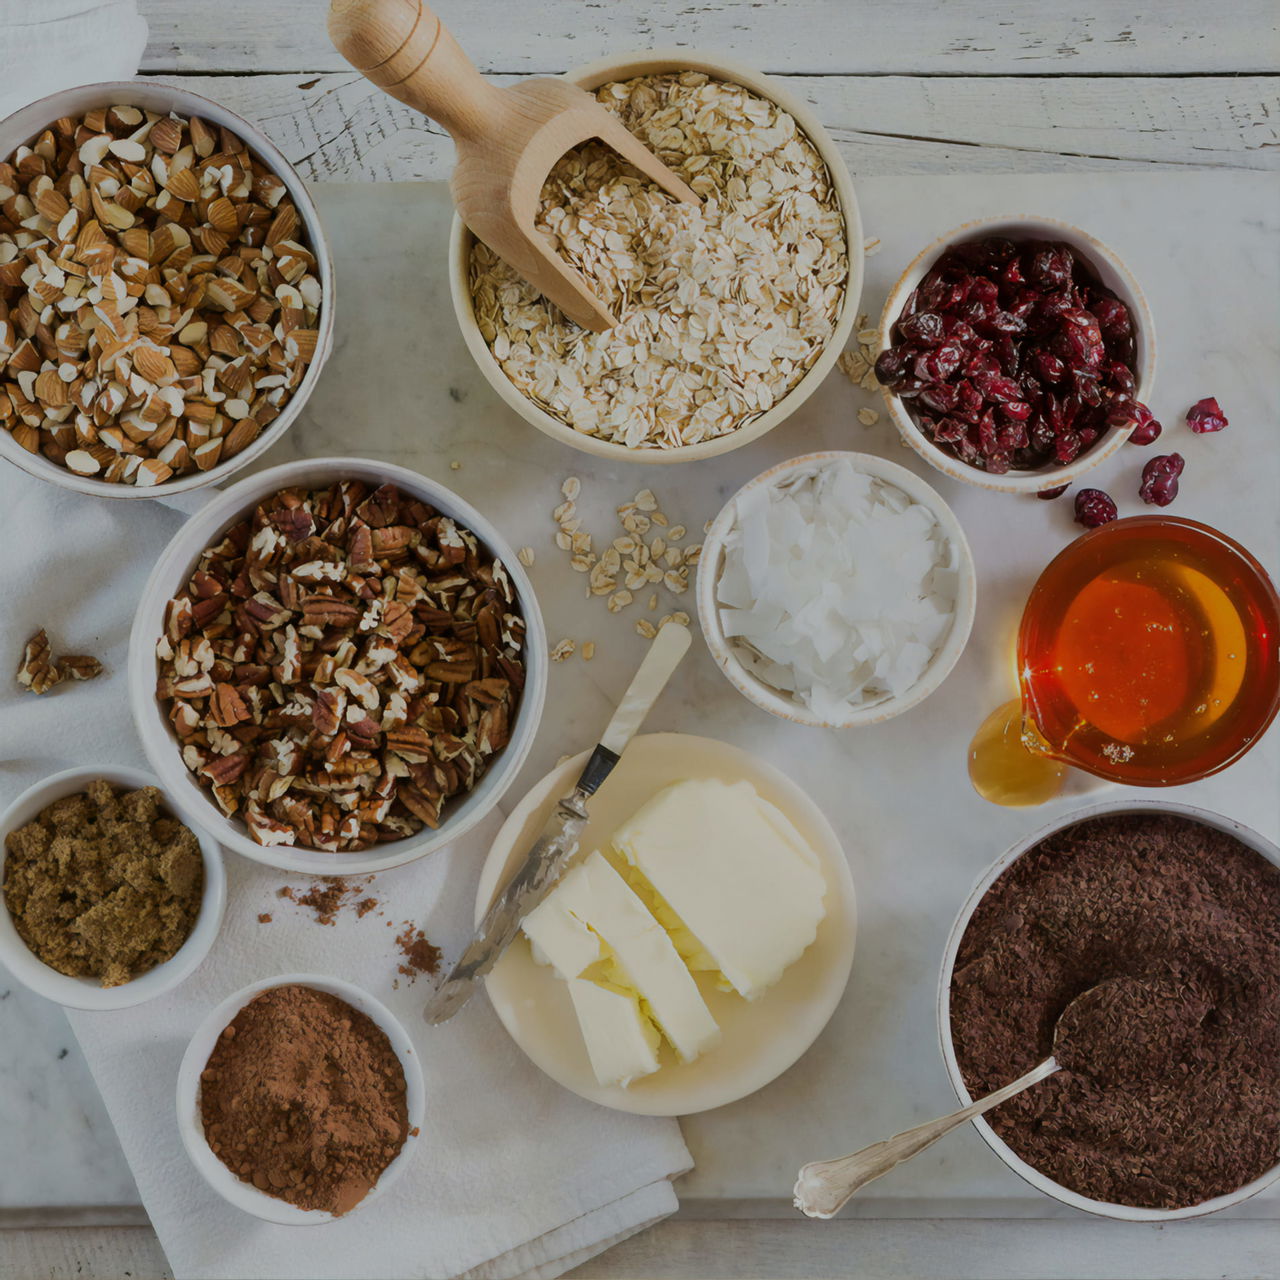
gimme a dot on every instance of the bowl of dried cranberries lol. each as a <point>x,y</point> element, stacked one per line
<point>1017,353</point>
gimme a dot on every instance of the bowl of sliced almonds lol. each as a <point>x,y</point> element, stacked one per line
<point>166,291</point>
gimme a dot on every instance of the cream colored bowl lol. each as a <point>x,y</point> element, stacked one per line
<point>1113,273</point>
<point>783,705</point>
<point>24,125</point>
<point>760,1038</point>
<point>234,1189</point>
<point>88,993</point>
<point>657,62</point>
<point>1029,1173</point>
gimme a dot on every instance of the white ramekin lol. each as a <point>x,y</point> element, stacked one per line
<point>784,705</point>
<point>88,993</point>
<point>171,573</point>
<point>1103,1208</point>
<point>1113,273</point>
<point>26,124</point>
<point>244,1195</point>
<point>657,62</point>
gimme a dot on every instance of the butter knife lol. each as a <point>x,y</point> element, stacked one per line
<point>551,853</point>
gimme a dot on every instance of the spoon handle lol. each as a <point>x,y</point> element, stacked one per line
<point>824,1186</point>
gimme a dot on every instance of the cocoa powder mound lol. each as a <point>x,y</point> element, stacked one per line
<point>304,1097</point>
<point>1192,916</point>
<point>420,956</point>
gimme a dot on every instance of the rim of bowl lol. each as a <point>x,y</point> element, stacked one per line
<point>87,993</point>
<point>244,1195</point>
<point>1027,1172</point>
<point>155,96</point>
<point>942,663</point>
<point>1115,274</point>
<point>658,61</point>
<point>171,569</point>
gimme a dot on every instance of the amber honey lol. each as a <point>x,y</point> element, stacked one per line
<point>1149,654</point>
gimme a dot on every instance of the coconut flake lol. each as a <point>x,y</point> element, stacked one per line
<point>836,588</point>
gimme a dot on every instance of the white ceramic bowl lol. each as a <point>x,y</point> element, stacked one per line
<point>784,705</point>
<point>244,1195</point>
<point>26,124</point>
<point>1027,1172</point>
<point>171,573</point>
<point>1113,273</point>
<point>88,993</point>
<point>656,62</point>
<point>760,1038</point>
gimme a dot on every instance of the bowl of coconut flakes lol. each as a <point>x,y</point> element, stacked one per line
<point>730,313</point>
<point>836,590</point>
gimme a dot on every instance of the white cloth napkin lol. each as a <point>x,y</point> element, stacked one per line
<point>514,1176</point>
<point>47,45</point>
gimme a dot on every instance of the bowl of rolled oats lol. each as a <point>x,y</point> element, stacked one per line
<point>337,666</point>
<point>730,313</point>
<point>166,293</point>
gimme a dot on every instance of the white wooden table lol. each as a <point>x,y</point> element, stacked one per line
<point>906,87</point>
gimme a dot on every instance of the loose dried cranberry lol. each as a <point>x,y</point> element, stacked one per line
<point>1206,415</point>
<point>1160,479</point>
<point>1058,491</point>
<point>1094,508</point>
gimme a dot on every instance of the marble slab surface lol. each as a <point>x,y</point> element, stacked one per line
<point>401,386</point>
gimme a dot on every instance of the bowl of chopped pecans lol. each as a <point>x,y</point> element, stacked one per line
<point>337,666</point>
<point>166,292</point>
<point>730,313</point>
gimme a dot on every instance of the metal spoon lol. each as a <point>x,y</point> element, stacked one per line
<point>825,1186</point>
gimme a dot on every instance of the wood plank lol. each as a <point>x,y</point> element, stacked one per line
<point>871,1249</point>
<point>960,37</point>
<point>339,128</point>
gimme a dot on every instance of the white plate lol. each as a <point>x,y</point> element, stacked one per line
<point>761,1038</point>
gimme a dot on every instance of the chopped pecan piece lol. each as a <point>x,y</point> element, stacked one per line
<point>37,671</point>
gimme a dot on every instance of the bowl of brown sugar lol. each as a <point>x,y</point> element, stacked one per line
<point>300,1099</point>
<point>1167,1101</point>
<point>108,900</point>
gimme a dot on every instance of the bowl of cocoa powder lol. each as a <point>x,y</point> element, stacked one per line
<point>300,1099</point>
<point>1167,1104</point>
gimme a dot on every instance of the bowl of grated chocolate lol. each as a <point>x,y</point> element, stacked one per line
<point>300,1099</point>
<point>108,900</point>
<point>730,314</point>
<point>1167,1101</point>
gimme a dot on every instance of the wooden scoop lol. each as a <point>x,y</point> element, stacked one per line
<point>507,139</point>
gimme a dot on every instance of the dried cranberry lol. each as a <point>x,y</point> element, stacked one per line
<point>923,329</point>
<point>941,397</point>
<point>1051,267</point>
<point>891,366</point>
<point>1145,432</point>
<point>1057,492</point>
<point>1206,415</point>
<point>1049,367</point>
<point>1094,508</point>
<point>1160,479</point>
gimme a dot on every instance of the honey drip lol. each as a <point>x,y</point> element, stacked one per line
<point>1147,654</point>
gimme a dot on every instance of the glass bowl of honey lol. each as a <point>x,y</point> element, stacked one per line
<point>1148,654</point>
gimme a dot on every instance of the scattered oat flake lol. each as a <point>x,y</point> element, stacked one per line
<point>571,487</point>
<point>646,628</point>
<point>868,417</point>
<point>588,650</point>
<point>525,556</point>
<point>455,466</point>
<point>564,649</point>
<point>871,246</point>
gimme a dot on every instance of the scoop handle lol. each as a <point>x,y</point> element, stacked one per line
<point>404,48</point>
<point>824,1186</point>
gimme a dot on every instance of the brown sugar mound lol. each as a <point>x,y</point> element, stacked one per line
<point>1170,1091</point>
<point>304,1097</point>
<point>104,884</point>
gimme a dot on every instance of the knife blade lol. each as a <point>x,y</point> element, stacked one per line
<point>551,852</point>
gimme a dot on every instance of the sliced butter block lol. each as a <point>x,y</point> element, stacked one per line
<point>737,887</point>
<point>593,927</point>
<point>621,1042</point>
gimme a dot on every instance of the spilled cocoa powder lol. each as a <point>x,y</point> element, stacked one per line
<point>419,955</point>
<point>304,1097</point>
<point>1181,1107</point>
<point>329,895</point>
